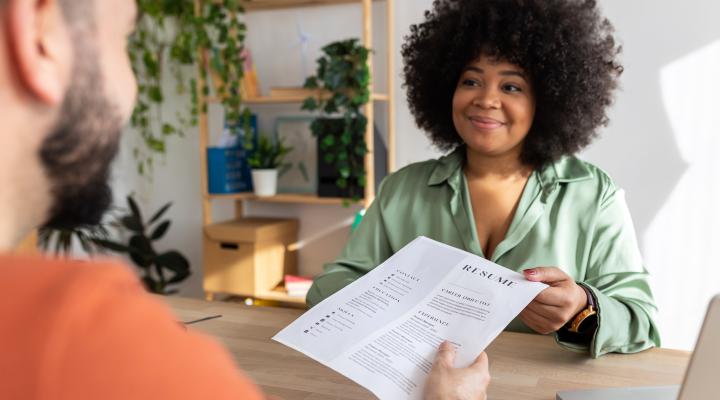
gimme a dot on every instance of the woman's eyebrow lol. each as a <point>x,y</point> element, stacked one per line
<point>508,72</point>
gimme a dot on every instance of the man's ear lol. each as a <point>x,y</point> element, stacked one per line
<point>40,48</point>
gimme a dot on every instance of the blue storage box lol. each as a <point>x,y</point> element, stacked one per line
<point>228,169</point>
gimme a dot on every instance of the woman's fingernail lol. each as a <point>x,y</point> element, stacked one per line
<point>530,272</point>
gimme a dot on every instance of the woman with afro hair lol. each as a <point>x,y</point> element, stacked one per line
<point>511,89</point>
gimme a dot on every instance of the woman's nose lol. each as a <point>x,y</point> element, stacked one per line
<point>487,98</point>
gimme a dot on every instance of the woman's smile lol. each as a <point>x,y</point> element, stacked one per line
<point>485,123</point>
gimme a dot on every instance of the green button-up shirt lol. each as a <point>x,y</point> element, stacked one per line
<point>571,215</point>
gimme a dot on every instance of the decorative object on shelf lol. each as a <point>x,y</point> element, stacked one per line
<point>297,286</point>
<point>250,85</point>
<point>228,162</point>
<point>343,72</point>
<point>170,37</point>
<point>267,162</point>
<point>159,270</point>
<point>303,41</point>
<point>301,176</point>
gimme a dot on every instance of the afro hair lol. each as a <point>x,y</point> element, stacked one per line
<point>566,47</point>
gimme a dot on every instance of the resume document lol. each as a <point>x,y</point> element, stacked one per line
<point>383,330</point>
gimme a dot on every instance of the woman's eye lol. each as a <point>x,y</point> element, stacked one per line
<point>512,88</point>
<point>470,82</point>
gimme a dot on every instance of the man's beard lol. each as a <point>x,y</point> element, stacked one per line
<point>78,152</point>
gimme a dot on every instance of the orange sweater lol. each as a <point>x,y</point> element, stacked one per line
<point>81,330</point>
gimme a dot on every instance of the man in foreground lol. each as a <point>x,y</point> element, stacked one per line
<point>75,330</point>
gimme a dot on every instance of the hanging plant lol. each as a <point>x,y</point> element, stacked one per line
<point>343,78</point>
<point>169,38</point>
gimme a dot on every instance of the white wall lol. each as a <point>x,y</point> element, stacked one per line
<point>660,146</point>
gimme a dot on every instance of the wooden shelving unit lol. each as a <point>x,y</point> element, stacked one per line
<point>387,97</point>
<point>281,198</point>
<point>288,99</point>
<point>256,5</point>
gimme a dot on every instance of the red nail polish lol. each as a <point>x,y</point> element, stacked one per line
<point>530,271</point>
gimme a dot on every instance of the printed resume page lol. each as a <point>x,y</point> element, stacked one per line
<point>383,330</point>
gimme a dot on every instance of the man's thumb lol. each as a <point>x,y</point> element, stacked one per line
<point>445,354</point>
<point>481,362</point>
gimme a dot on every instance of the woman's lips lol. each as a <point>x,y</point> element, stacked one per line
<point>485,123</point>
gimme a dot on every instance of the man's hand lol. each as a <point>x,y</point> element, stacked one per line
<point>448,383</point>
<point>556,305</point>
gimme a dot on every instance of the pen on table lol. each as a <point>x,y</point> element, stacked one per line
<point>201,320</point>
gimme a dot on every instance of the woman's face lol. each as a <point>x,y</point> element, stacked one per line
<point>493,107</point>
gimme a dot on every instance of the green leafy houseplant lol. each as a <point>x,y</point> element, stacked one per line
<point>170,37</point>
<point>265,160</point>
<point>267,155</point>
<point>343,73</point>
<point>159,269</point>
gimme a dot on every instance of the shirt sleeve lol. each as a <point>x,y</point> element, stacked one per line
<point>115,341</point>
<point>367,248</point>
<point>619,282</point>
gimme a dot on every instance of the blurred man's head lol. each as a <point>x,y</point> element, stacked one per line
<point>70,88</point>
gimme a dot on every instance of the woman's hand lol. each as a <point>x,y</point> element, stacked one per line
<point>448,383</point>
<point>556,305</point>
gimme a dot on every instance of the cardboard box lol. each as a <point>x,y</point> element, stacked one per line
<point>249,256</point>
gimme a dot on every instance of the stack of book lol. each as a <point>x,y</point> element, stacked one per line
<point>297,286</point>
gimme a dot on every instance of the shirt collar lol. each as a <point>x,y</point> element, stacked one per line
<point>447,166</point>
<point>565,170</point>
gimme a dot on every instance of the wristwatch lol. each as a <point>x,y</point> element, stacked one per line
<point>583,318</point>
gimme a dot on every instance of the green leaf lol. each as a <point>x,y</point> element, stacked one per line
<point>159,213</point>
<point>134,209</point>
<point>328,141</point>
<point>310,104</point>
<point>168,129</point>
<point>160,230</point>
<point>141,251</point>
<point>173,261</point>
<point>311,83</point>
<point>155,94</point>
<point>132,223</point>
<point>344,172</point>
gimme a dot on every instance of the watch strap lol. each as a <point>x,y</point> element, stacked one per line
<point>589,311</point>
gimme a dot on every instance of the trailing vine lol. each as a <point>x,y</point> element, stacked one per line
<point>169,35</point>
<point>342,74</point>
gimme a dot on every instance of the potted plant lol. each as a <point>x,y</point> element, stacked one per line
<point>266,163</point>
<point>343,78</point>
<point>159,270</point>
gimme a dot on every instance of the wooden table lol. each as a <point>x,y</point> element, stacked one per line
<point>522,366</point>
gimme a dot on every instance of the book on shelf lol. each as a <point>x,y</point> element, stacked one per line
<point>250,84</point>
<point>297,286</point>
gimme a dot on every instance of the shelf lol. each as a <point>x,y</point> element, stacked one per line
<point>288,99</point>
<point>282,198</point>
<point>254,5</point>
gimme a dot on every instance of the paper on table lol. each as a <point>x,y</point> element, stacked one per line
<point>383,330</point>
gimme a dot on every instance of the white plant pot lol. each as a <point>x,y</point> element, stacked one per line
<point>264,182</point>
